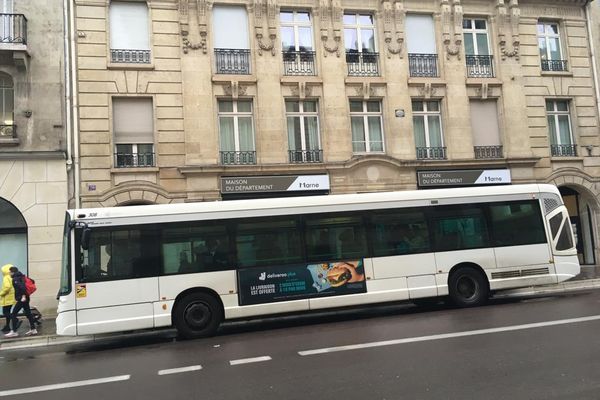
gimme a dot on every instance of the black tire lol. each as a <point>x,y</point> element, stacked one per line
<point>468,287</point>
<point>197,315</point>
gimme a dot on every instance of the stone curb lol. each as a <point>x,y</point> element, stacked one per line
<point>54,340</point>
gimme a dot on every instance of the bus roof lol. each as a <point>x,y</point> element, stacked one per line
<point>163,210</point>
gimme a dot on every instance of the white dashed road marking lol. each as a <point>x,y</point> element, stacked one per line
<point>66,385</point>
<point>180,370</point>
<point>249,360</point>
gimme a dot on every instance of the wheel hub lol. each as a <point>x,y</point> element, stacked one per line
<point>197,315</point>
<point>466,287</point>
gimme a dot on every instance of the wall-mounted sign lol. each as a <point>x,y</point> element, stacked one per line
<point>464,177</point>
<point>262,184</point>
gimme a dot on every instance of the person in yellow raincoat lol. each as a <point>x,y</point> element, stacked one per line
<point>7,295</point>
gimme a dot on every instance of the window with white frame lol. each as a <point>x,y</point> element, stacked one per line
<point>7,107</point>
<point>427,126</point>
<point>359,33</point>
<point>133,129</point>
<point>297,42</point>
<point>303,130</point>
<point>477,48</point>
<point>367,126</point>
<point>129,32</point>
<point>236,132</point>
<point>550,47</point>
<point>231,39</point>
<point>559,127</point>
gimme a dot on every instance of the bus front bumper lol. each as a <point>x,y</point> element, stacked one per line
<point>66,323</point>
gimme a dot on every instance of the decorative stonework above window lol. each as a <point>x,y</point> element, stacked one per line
<point>508,26</point>
<point>193,22</point>
<point>394,15</point>
<point>331,21</point>
<point>452,34</point>
<point>270,9</point>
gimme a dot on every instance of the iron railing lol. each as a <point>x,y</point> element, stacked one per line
<point>479,66</point>
<point>563,150</point>
<point>299,63</point>
<point>238,157</point>
<point>431,153</point>
<point>13,28</point>
<point>488,151</point>
<point>134,160</point>
<point>305,156</point>
<point>8,131</point>
<point>554,65</point>
<point>423,65</point>
<point>362,64</point>
<point>130,56</point>
<point>233,61</point>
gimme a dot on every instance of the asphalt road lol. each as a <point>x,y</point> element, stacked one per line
<point>540,348</point>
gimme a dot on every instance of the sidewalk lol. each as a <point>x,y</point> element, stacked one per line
<point>589,278</point>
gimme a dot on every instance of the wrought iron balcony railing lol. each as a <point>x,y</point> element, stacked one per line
<point>479,66</point>
<point>431,153</point>
<point>362,64</point>
<point>488,151</point>
<point>130,56</point>
<point>554,65</point>
<point>563,150</point>
<point>299,63</point>
<point>238,157</point>
<point>233,61</point>
<point>134,160</point>
<point>8,131</point>
<point>423,65</point>
<point>305,156</point>
<point>13,28</point>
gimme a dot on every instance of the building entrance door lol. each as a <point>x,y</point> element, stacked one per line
<point>580,214</point>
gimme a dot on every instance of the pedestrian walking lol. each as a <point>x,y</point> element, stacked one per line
<point>22,297</point>
<point>7,296</point>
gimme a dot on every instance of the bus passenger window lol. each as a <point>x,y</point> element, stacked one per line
<point>460,227</point>
<point>271,241</point>
<point>517,223</point>
<point>335,238</point>
<point>397,232</point>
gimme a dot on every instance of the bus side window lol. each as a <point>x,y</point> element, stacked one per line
<point>341,237</point>
<point>459,227</point>
<point>397,232</point>
<point>517,223</point>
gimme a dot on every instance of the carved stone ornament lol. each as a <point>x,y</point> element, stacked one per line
<point>484,91</point>
<point>393,26</point>
<point>508,25</point>
<point>427,90</point>
<point>366,90</point>
<point>452,34</point>
<point>234,89</point>
<point>193,16</point>
<point>302,90</point>
<point>270,10</point>
<point>331,21</point>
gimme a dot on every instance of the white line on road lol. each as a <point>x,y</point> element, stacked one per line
<point>448,335</point>
<point>249,360</point>
<point>66,385</point>
<point>180,370</point>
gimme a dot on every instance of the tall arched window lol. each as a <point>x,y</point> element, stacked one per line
<point>7,106</point>
<point>13,236</point>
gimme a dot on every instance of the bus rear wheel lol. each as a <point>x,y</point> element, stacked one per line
<point>468,287</point>
<point>197,315</point>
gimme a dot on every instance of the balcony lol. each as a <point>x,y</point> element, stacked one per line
<point>13,28</point>
<point>362,64</point>
<point>134,160</point>
<point>431,153</point>
<point>238,157</point>
<point>486,152</point>
<point>554,65</point>
<point>299,63</point>
<point>129,56</point>
<point>563,150</point>
<point>423,65</point>
<point>233,61</point>
<point>8,135</point>
<point>479,66</point>
<point>305,156</point>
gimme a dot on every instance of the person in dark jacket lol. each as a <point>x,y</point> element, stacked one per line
<point>22,303</point>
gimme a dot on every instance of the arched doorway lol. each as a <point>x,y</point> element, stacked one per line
<point>581,214</point>
<point>13,236</point>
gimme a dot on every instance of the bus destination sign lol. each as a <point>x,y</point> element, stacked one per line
<point>300,281</point>
<point>286,183</point>
<point>465,177</point>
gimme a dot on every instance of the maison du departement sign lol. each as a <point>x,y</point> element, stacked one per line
<point>466,177</point>
<point>263,184</point>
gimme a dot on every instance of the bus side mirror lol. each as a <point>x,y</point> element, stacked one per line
<point>85,238</point>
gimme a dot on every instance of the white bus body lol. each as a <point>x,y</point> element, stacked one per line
<point>145,266</point>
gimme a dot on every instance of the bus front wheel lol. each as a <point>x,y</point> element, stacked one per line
<point>197,315</point>
<point>468,287</point>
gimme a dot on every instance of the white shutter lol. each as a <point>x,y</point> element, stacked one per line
<point>230,27</point>
<point>420,34</point>
<point>129,23</point>
<point>484,123</point>
<point>133,121</point>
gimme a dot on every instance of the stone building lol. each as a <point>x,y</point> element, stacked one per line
<point>33,142</point>
<point>195,100</point>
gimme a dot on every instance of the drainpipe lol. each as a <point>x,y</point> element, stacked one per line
<point>67,68</point>
<point>74,102</point>
<point>586,10</point>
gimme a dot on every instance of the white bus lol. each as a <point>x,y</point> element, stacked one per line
<point>195,265</point>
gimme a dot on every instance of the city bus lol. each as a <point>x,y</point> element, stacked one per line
<point>195,265</point>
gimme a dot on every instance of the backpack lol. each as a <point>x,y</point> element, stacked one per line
<point>30,287</point>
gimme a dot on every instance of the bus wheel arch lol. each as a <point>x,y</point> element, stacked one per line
<point>197,312</point>
<point>468,285</point>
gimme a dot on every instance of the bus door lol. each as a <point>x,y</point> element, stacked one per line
<point>566,262</point>
<point>117,280</point>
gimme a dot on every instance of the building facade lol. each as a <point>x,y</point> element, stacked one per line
<point>33,143</point>
<point>195,100</point>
